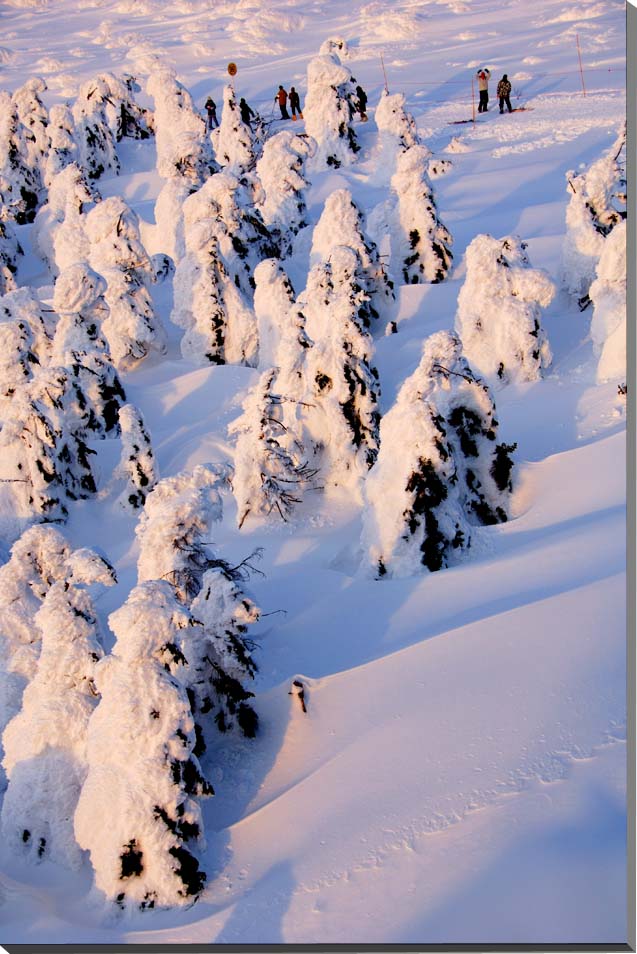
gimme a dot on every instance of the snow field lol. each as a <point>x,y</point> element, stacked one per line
<point>463,748</point>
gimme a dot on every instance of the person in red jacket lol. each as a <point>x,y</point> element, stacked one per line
<point>282,98</point>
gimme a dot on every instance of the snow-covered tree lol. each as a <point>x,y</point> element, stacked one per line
<point>63,149</point>
<point>281,325</point>
<point>227,203</point>
<point>45,743</point>
<point>95,138</point>
<point>329,108</point>
<point>608,294</point>
<point>183,147</point>
<point>169,216</point>
<point>219,323</point>
<point>281,172</point>
<point>423,250</point>
<point>597,203</point>
<point>137,462</point>
<point>498,316</point>
<point>19,181</point>
<point>342,416</point>
<point>439,470</point>
<point>23,308</point>
<point>138,813</point>
<point>78,345</point>
<point>341,223</point>
<point>59,233</point>
<point>10,251</point>
<point>125,116</point>
<point>33,116</point>
<point>271,470</point>
<point>219,651</point>
<point>173,533</point>
<point>38,559</point>
<point>132,329</point>
<point>335,44</point>
<point>233,141</point>
<point>392,118</point>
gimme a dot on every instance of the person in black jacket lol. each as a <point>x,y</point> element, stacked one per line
<point>211,109</point>
<point>504,93</point>
<point>295,103</point>
<point>246,112</point>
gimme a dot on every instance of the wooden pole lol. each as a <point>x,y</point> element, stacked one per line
<point>473,101</point>
<point>581,68</point>
<point>384,73</point>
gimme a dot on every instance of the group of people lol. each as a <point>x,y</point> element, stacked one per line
<point>283,98</point>
<point>503,91</point>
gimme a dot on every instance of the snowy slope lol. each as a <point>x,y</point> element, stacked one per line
<point>460,773</point>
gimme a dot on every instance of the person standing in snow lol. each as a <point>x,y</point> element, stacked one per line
<point>246,112</point>
<point>295,103</point>
<point>362,103</point>
<point>211,109</point>
<point>483,89</point>
<point>504,93</point>
<point>282,97</point>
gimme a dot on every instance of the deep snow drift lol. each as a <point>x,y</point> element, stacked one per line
<point>341,417</point>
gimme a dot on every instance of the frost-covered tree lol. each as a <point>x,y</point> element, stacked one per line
<point>219,323</point>
<point>423,246</point>
<point>138,813</point>
<point>233,141</point>
<point>35,326</point>
<point>10,252</point>
<point>608,294</point>
<point>19,181</point>
<point>281,172</point>
<point>341,223</point>
<point>227,202</point>
<point>283,340</point>
<point>169,216</point>
<point>132,329</point>
<point>271,470</point>
<point>137,462</point>
<point>33,116</point>
<point>183,147</point>
<point>392,118</point>
<point>63,149</point>
<point>219,651</point>
<point>440,470</point>
<point>342,416</point>
<point>225,239</point>
<point>45,743</point>
<point>59,233</point>
<point>38,559</point>
<point>173,533</point>
<point>78,345</point>
<point>597,203</point>
<point>125,116</point>
<point>95,138</point>
<point>498,315</point>
<point>329,109</point>
<point>335,44</point>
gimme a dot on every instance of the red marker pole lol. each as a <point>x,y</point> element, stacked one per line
<point>473,101</point>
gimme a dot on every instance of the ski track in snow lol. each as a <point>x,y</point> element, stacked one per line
<point>448,715</point>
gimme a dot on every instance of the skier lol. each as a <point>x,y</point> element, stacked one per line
<point>362,103</point>
<point>211,109</point>
<point>483,87</point>
<point>295,103</point>
<point>282,97</point>
<point>246,113</point>
<point>504,93</point>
